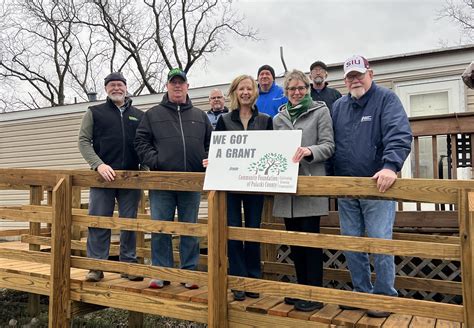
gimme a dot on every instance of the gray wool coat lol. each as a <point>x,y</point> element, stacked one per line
<point>316,125</point>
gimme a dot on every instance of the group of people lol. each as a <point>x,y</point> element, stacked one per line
<point>365,133</point>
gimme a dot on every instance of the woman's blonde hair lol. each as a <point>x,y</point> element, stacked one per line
<point>295,75</point>
<point>232,93</point>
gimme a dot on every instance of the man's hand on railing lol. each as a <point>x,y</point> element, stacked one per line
<point>106,172</point>
<point>385,179</point>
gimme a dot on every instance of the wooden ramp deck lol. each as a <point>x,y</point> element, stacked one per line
<point>175,300</point>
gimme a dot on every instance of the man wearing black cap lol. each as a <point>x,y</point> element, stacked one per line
<point>106,143</point>
<point>270,95</point>
<point>319,88</point>
<point>174,136</point>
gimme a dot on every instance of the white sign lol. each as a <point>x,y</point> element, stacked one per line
<point>253,161</point>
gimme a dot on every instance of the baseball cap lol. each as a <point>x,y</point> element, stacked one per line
<point>115,76</point>
<point>177,72</point>
<point>318,63</point>
<point>356,64</point>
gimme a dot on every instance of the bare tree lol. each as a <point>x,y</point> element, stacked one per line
<point>461,12</point>
<point>53,51</point>
<point>128,26</point>
<point>160,35</point>
<point>42,48</point>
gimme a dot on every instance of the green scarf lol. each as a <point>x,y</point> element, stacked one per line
<point>297,110</point>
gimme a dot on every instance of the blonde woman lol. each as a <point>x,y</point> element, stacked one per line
<point>244,257</point>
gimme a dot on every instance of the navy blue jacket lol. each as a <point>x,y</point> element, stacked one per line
<point>371,133</point>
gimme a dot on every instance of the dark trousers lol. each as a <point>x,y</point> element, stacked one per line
<point>308,260</point>
<point>244,257</point>
<point>102,202</point>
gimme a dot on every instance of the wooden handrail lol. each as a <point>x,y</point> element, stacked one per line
<point>423,190</point>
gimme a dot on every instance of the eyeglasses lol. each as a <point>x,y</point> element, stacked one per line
<point>216,97</point>
<point>300,88</point>
<point>352,77</point>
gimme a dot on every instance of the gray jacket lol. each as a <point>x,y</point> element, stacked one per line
<point>316,125</point>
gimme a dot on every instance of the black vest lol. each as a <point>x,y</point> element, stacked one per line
<point>114,134</point>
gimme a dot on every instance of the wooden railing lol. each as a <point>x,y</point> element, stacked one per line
<point>63,218</point>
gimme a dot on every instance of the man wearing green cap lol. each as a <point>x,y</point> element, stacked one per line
<point>174,136</point>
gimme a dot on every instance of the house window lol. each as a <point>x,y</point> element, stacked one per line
<point>425,98</point>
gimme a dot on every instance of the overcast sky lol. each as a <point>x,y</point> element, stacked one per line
<point>327,30</point>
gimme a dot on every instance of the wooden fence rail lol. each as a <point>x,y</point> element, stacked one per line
<point>63,218</point>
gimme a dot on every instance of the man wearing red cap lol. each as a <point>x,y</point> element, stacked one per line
<point>106,143</point>
<point>373,138</point>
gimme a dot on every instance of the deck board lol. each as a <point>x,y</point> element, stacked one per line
<point>264,304</point>
<point>280,310</point>
<point>397,321</point>
<point>422,322</point>
<point>326,314</point>
<point>264,307</point>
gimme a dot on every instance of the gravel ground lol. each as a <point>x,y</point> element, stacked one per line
<point>13,313</point>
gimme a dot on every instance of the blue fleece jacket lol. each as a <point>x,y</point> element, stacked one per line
<point>269,102</point>
<point>370,133</point>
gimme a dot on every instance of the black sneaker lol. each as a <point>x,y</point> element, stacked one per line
<point>378,314</point>
<point>252,294</point>
<point>308,306</point>
<point>238,295</point>
<point>291,300</point>
<point>348,307</point>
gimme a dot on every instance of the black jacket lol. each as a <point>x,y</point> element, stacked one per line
<point>173,137</point>
<point>231,121</point>
<point>326,94</point>
<point>114,133</point>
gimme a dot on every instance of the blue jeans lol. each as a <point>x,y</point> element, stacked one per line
<point>244,257</point>
<point>163,205</point>
<point>102,202</point>
<point>376,217</point>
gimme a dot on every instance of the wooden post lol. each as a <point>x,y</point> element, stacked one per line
<point>135,319</point>
<point>466,232</point>
<point>141,234</point>
<point>36,196</point>
<point>49,202</point>
<point>217,260</point>
<point>76,229</point>
<point>60,253</point>
<point>269,251</point>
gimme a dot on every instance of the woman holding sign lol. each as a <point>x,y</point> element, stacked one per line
<point>244,257</point>
<point>317,145</point>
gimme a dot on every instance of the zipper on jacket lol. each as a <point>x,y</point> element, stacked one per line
<point>182,136</point>
<point>123,139</point>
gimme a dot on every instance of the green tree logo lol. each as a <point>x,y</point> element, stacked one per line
<point>270,163</point>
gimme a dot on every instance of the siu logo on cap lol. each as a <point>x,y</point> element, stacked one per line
<point>354,61</point>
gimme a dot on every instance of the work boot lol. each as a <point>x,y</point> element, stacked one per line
<point>94,276</point>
